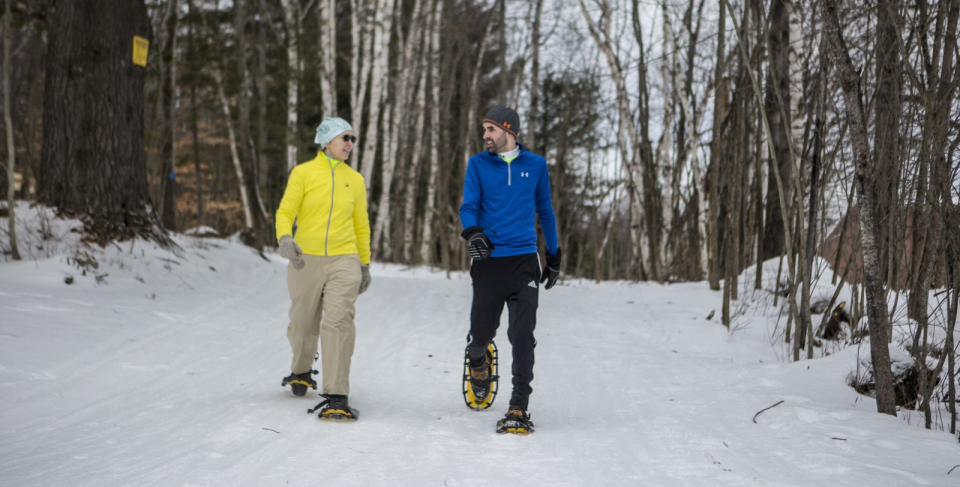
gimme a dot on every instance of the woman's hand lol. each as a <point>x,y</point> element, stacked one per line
<point>290,250</point>
<point>365,278</point>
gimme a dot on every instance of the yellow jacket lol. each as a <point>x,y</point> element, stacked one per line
<point>329,201</point>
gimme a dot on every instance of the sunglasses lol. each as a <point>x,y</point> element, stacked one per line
<point>349,138</point>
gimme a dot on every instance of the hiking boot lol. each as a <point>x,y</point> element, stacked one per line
<point>299,382</point>
<point>480,371</point>
<point>517,421</point>
<point>335,407</point>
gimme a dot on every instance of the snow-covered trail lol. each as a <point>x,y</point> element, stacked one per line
<point>176,381</point>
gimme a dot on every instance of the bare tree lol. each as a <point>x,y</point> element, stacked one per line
<point>8,123</point>
<point>865,163</point>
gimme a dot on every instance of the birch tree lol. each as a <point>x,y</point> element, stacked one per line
<point>327,52</point>
<point>380,51</point>
<point>426,242</point>
<point>291,17</point>
<point>399,112</point>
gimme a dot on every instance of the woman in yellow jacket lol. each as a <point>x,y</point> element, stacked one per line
<point>329,265</point>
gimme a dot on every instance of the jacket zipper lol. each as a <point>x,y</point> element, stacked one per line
<point>333,187</point>
<point>509,174</point>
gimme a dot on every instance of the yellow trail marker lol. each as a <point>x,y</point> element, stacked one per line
<point>140,48</point>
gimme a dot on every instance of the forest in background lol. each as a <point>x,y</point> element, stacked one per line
<point>687,140</point>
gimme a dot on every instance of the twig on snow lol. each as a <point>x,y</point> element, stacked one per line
<point>951,470</point>
<point>275,431</point>
<point>841,439</point>
<point>764,409</point>
<point>185,282</point>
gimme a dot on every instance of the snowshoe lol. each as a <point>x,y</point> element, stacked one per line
<point>517,421</point>
<point>480,383</point>
<point>300,382</point>
<point>335,408</point>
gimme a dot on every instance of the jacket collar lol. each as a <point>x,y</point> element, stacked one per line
<point>329,161</point>
<point>492,156</point>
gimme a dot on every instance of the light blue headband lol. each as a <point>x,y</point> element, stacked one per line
<point>329,129</point>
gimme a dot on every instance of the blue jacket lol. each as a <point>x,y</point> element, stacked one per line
<point>502,198</point>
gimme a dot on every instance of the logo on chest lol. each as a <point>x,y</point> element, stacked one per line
<point>524,174</point>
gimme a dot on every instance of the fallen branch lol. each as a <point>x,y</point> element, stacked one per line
<point>275,431</point>
<point>764,409</point>
<point>951,470</point>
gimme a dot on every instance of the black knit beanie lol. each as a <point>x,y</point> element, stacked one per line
<point>505,118</point>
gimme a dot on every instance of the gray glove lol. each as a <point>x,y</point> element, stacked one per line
<point>290,250</point>
<point>365,278</point>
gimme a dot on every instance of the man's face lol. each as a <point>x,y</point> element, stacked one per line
<point>495,138</point>
<point>338,148</point>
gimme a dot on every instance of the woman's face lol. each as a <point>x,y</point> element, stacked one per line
<point>338,148</point>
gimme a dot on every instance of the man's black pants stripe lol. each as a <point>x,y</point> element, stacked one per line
<point>512,281</point>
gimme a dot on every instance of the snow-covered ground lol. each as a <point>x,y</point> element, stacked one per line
<point>166,371</point>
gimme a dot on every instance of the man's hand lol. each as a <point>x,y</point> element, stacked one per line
<point>365,278</point>
<point>290,250</point>
<point>477,243</point>
<point>552,272</point>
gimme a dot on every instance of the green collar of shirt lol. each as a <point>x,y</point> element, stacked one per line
<point>333,162</point>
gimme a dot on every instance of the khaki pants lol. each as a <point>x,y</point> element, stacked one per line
<point>323,294</point>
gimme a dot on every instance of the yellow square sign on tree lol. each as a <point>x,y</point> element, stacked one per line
<point>140,48</point>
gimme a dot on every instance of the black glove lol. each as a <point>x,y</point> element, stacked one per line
<point>477,243</point>
<point>552,272</point>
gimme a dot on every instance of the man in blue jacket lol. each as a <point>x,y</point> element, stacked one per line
<point>504,188</point>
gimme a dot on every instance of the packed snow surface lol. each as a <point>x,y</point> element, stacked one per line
<point>167,370</point>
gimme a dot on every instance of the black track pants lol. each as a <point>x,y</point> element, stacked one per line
<point>512,281</point>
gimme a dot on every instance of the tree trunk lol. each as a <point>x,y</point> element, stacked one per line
<point>327,54</point>
<point>168,115</point>
<point>426,241</point>
<point>391,154</point>
<point>530,134</point>
<point>626,136</point>
<point>234,154</point>
<point>260,233</point>
<point>291,17</point>
<point>381,53</point>
<point>876,309</point>
<point>647,171</point>
<point>778,79</point>
<point>472,94</point>
<point>8,122</point>
<point>194,116</point>
<point>93,163</point>
<point>716,148</point>
<point>411,177</point>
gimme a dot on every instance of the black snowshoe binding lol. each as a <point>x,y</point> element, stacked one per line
<point>517,421</point>
<point>480,382</point>
<point>300,382</point>
<point>335,408</point>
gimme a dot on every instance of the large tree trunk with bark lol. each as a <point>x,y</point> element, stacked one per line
<point>93,163</point>
<point>778,79</point>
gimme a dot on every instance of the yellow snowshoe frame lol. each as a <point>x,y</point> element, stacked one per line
<point>468,395</point>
